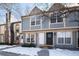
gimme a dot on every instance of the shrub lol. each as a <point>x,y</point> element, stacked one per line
<point>28,45</point>
<point>2,43</point>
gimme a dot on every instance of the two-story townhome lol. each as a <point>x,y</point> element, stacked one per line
<point>2,33</point>
<point>58,27</point>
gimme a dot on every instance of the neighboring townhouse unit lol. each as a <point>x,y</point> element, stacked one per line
<point>2,33</point>
<point>58,27</point>
<point>15,33</point>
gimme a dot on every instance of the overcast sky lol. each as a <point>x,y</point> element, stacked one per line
<point>22,11</point>
<point>22,7</point>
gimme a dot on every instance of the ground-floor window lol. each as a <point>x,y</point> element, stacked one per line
<point>64,38</point>
<point>30,38</point>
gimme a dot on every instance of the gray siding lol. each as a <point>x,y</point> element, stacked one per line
<point>35,27</point>
<point>72,19</point>
<point>56,25</point>
<point>25,24</point>
<point>45,23</point>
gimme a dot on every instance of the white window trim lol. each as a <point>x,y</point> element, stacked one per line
<point>35,21</point>
<point>57,21</point>
<point>64,41</point>
<point>30,38</point>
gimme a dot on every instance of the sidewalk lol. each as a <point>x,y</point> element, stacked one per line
<point>4,53</point>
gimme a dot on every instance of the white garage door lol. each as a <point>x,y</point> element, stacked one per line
<point>41,38</point>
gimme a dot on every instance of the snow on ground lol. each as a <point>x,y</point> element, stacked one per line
<point>63,52</point>
<point>24,50</point>
<point>33,51</point>
<point>4,46</point>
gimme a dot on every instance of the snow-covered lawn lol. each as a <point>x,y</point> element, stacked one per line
<point>33,51</point>
<point>24,50</point>
<point>63,52</point>
<point>4,46</point>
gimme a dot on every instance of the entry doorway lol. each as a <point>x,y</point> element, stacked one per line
<point>49,38</point>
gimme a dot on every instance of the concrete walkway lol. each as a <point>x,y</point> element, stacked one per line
<point>2,53</point>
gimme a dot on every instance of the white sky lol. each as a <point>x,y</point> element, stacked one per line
<point>23,6</point>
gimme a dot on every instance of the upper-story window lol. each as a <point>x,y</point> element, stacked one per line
<point>35,20</point>
<point>56,17</point>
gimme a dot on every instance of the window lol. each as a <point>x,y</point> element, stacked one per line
<point>32,22</point>
<point>35,20</point>
<point>68,38</point>
<point>53,18</point>
<point>56,17</point>
<point>30,38</point>
<point>64,38</point>
<point>38,22</point>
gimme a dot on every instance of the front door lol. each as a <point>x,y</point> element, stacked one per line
<point>49,38</point>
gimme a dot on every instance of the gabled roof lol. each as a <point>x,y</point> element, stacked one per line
<point>56,7</point>
<point>35,11</point>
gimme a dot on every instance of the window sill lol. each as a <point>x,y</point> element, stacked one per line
<point>63,44</point>
<point>57,23</point>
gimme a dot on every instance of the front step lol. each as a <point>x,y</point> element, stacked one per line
<point>46,46</point>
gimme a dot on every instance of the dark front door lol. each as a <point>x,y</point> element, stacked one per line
<point>49,38</point>
<point>78,38</point>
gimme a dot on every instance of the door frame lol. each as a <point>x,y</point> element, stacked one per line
<point>52,40</point>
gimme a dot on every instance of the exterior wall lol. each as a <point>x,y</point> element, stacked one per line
<point>2,33</point>
<point>2,29</point>
<point>72,19</point>
<point>35,27</point>
<point>55,45</point>
<point>26,24</point>
<point>57,25</point>
<point>2,38</point>
<point>45,23</point>
<point>74,43</point>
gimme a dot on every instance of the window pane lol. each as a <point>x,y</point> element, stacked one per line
<point>67,40</point>
<point>60,40</point>
<point>28,39</point>
<point>38,22</point>
<point>32,22</point>
<point>59,19</point>
<point>59,34</point>
<point>32,37</point>
<point>53,18</point>
<point>68,34</point>
<point>33,18</point>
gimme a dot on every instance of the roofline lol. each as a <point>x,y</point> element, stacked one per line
<point>2,24</point>
<point>17,22</point>
<point>52,11</point>
<point>12,22</point>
